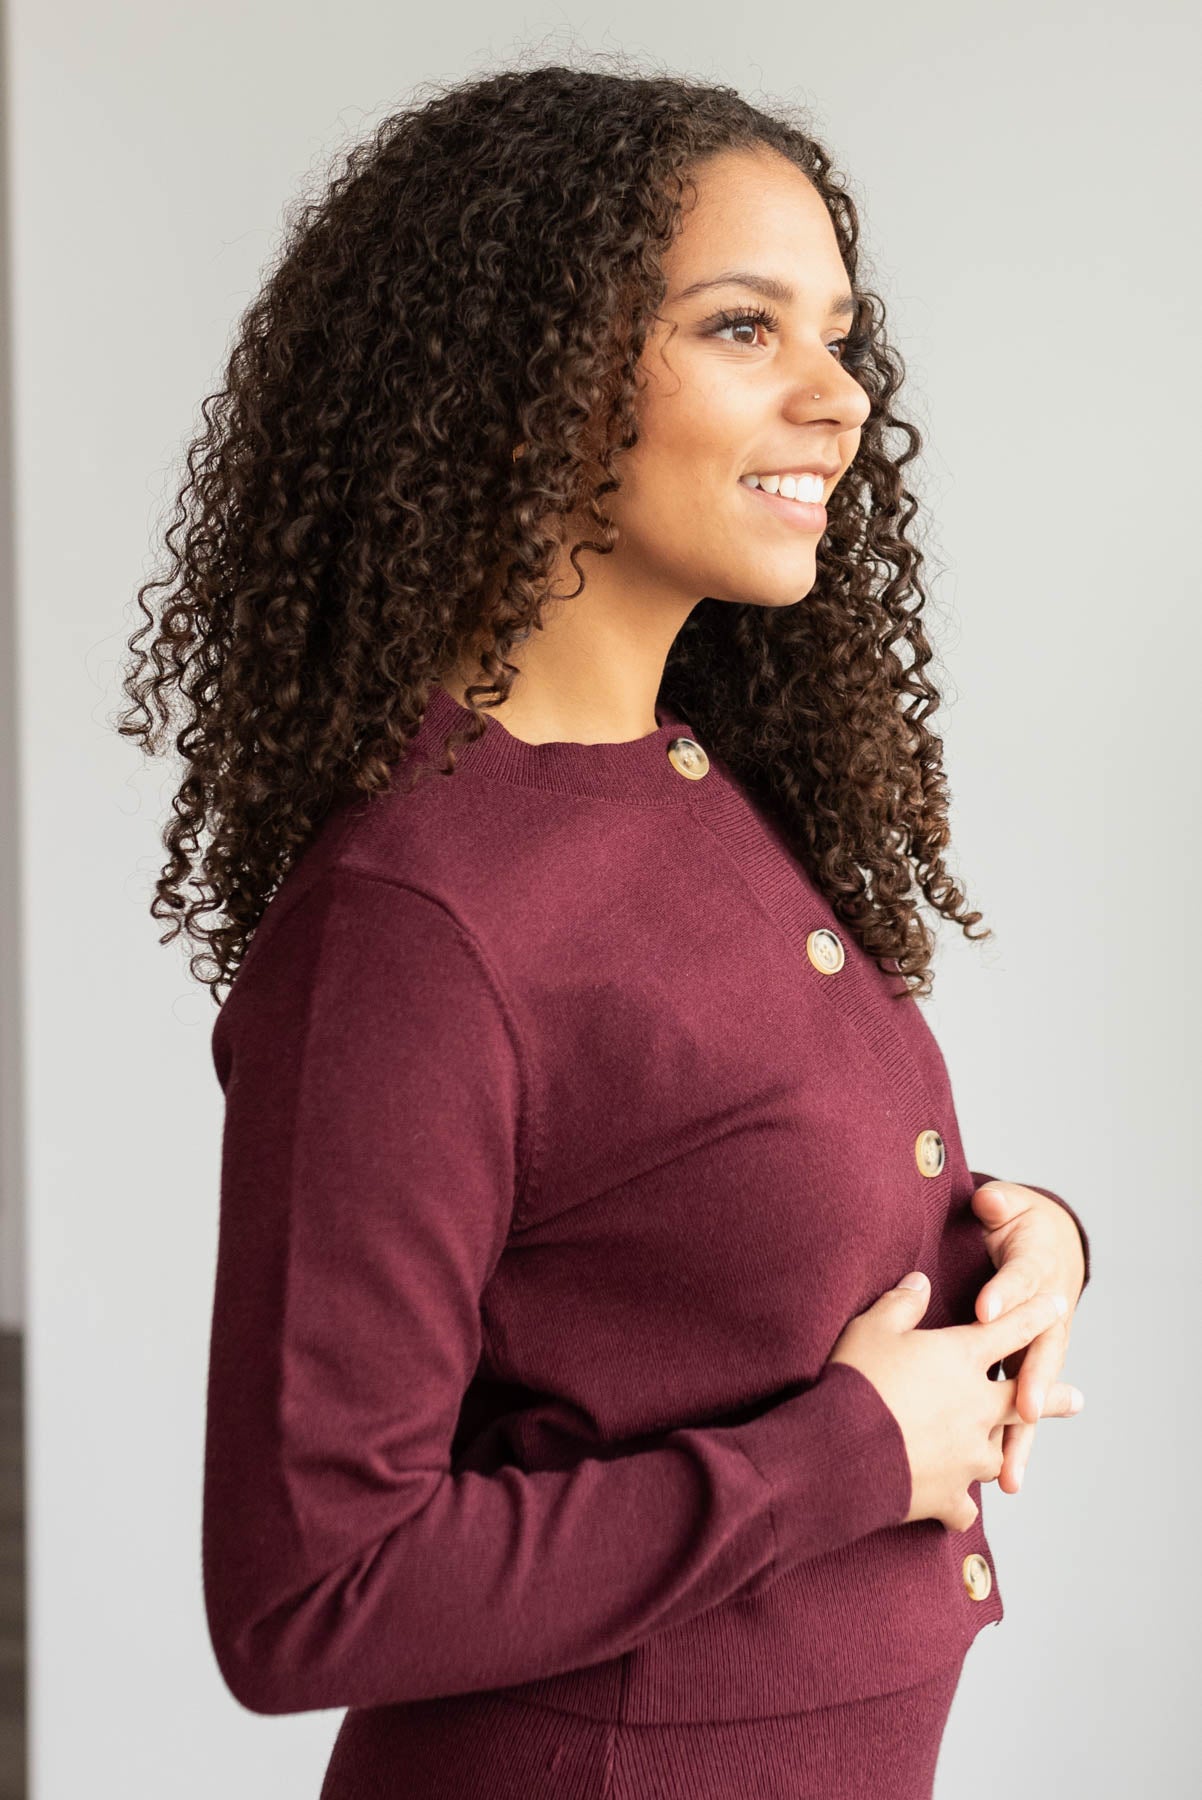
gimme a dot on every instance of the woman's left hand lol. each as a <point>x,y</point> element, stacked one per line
<point>1035,1247</point>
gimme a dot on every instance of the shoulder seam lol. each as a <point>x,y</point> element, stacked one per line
<point>529,1134</point>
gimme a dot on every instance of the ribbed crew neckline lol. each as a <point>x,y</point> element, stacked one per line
<point>638,770</point>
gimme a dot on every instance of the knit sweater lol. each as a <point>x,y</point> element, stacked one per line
<point>566,1127</point>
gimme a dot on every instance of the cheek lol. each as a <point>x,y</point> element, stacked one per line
<point>679,481</point>
<point>666,481</point>
<point>699,419</point>
<point>674,503</point>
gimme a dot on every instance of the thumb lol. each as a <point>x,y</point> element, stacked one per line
<point>909,1299</point>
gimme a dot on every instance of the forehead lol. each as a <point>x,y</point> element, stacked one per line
<point>755,210</point>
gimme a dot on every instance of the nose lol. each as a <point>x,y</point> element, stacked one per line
<point>840,401</point>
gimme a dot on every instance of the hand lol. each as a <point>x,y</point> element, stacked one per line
<point>935,1384</point>
<point>1034,1245</point>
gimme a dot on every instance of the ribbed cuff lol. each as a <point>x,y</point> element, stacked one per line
<point>979,1180</point>
<point>835,1460</point>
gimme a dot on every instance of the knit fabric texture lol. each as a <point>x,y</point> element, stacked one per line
<point>486,1747</point>
<point>556,1157</point>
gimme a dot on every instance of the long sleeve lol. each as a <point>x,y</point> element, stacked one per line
<point>380,1106</point>
<point>979,1180</point>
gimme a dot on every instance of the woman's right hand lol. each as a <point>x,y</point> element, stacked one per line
<point>936,1385</point>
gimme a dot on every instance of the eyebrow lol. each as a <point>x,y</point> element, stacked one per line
<point>844,306</point>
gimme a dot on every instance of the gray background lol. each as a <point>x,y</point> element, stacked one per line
<point>1028,189</point>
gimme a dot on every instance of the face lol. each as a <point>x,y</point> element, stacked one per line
<point>727,398</point>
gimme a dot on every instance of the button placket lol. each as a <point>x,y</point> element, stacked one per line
<point>768,867</point>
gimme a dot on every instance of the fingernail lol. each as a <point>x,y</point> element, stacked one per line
<point>992,1307</point>
<point>1076,1400</point>
<point>1061,1304</point>
<point>1037,1394</point>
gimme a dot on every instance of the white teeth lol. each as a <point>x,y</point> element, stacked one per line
<point>794,487</point>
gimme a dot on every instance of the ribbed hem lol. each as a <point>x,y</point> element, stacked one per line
<point>638,771</point>
<point>490,1746</point>
<point>835,1459</point>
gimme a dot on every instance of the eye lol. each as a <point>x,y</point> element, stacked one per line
<point>853,348</point>
<point>743,315</point>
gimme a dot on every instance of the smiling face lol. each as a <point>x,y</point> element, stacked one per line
<point>725,398</point>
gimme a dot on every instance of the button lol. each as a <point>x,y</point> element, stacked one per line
<point>688,758</point>
<point>825,950</point>
<point>978,1578</point>
<point>929,1153</point>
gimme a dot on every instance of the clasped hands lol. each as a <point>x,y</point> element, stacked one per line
<point>1035,1247</point>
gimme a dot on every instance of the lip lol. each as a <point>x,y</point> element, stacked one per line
<point>802,515</point>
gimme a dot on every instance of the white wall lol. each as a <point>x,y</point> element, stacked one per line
<point>1029,192</point>
<point>12,1175</point>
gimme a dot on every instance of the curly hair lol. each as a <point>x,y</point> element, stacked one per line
<point>483,271</point>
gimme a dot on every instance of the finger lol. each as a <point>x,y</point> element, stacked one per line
<point>1007,1441</point>
<point>1017,1441</point>
<point>1015,1281</point>
<point>1063,1401</point>
<point>1020,1326</point>
<point>1041,1366</point>
<point>1007,1365</point>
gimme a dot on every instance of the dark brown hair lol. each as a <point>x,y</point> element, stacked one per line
<point>484,271</point>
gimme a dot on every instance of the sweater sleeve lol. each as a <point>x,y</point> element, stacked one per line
<point>979,1180</point>
<point>377,1119</point>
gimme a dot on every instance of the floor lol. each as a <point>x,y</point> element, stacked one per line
<point>12,1572</point>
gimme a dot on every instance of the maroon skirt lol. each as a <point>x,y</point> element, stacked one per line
<point>488,1747</point>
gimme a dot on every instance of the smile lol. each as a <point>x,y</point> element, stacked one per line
<point>803,515</point>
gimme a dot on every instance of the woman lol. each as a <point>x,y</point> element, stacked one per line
<point>539,618</point>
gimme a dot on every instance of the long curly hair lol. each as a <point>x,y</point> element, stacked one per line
<point>481,273</point>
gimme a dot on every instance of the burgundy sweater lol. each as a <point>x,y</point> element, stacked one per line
<point>558,1152</point>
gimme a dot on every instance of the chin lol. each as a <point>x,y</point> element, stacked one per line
<point>770,592</point>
